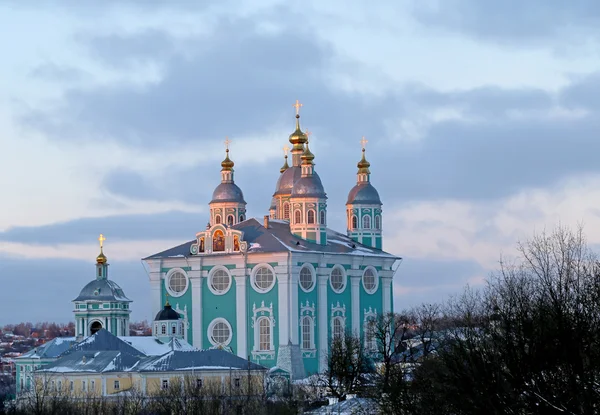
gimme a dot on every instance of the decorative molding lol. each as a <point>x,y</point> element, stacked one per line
<point>369,313</point>
<point>262,311</point>
<point>307,310</point>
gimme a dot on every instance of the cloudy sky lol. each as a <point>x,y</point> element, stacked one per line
<point>482,119</point>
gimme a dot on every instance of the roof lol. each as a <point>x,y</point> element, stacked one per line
<point>51,349</point>
<point>286,180</point>
<point>167,313</point>
<point>364,193</point>
<point>102,290</point>
<point>278,238</point>
<point>215,359</point>
<point>228,192</point>
<point>309,186</point>
<point>87,361</point>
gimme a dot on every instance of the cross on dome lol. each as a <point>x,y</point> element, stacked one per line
<point>297,105</point>
<point>101,239</point>
<point>227,142</point>
<point>363,142</point>
<point>285,148</point>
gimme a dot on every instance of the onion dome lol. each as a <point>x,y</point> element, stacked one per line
<point>298,138</point>
<point>228,192</point>
<point>307,156</point>
<point>227,163</point>
<point>285,165</point>
<point>102,290</point>
<point>363,165</point>
<point>309,186</point>
<point>101,258</point>
<point>286,181</point>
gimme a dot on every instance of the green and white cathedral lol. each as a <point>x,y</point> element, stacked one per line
<point>277,290</point>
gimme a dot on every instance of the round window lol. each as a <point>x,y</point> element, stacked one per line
<point>177,283</point>
<point>369,280</point>
<point>337,280</point>
<point>219,282</point>
<point>219,332</point>
<point>263,279</point>
<point>306,279</point>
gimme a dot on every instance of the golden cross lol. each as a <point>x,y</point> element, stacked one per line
<point>101,239</point>
<point>364,142</point>
<point>286,149</point>
<point>308,134</point>
<point>227,142</point>
<point>297,105</point>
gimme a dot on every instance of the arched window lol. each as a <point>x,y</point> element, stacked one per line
<point>377,222</point>
<point>370,340</point>
<point>236,243</point>
<point>286,211</point>
<point>163,329</point>
<point>297,217</point>
<point>230,220</point>
<point>201,247</point>
<point>242,218</point>
<point>366,222</point>
<point>218,241</point>
<point>307,333</point>
<point>217,219</point>
<point>322,217</point>
<point>338,328</point>
<point>354,222</point>
<point>174,329</point>
<point>310,216</point>
<point>264,335</point>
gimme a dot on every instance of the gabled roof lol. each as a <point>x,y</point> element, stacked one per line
<point>93,362</point>
<point>51,349</point>
<point>214,359</point>
<point>103,340</point>
<point>278,238</point>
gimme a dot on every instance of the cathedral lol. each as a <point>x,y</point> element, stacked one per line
<point>276,290</point>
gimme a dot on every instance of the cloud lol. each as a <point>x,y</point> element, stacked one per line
<point>515,22</point>
<point>53,72</point>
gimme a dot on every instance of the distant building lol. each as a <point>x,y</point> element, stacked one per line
<point>278,290</point>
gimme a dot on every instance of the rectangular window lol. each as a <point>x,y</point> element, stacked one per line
<point>236,382</point>
<point>71,386</point>
<point>93,385</point>
<point>174,329</point>
<point>306,333</point>
<point>117,385</point>
<point>83,386</point>
<point>164,384</point>
<point>59,385</point>
<point>198,383</point>
<point>52,386</point>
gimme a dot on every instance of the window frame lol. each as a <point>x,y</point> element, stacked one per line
<point>211,326</point>
<point>344,279</point>
<point>322,217</point>
<point>378,222</point>
<point>311,217</point>
<point>342,324</point>
<point>311,269</point>
<point>211,274</point>
<point>258,326</point>
<point>232,221</point>
<point>376,280</point>
<point>172,272</point>
<point>286,211</point>
<point>366,221</point>
<point>297,217</point>
<point>354,222</point>
<point>311,333</point>
<point>255,271</point>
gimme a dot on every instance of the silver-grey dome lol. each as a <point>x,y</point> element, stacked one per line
<point>102,290</point>
<point>273,204</point>
<point>364,193</point>
<point>228,192</point>
<point>309,187</point>
<point>287,179</point>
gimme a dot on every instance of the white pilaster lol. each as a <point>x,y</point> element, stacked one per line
<point>196,281</point>
<point>322,319</point>
<point>240,313</point>
<point>283,284</point>
<point>387,294</point>
<point>355,296</point>
<point>294,322</point>
<point>109,325</point>
<point>155,287</point>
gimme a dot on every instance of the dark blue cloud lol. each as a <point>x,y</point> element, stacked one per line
<point>169,225</point>
<point>59,282</point>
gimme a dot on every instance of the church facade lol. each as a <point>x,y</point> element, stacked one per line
<point>278,289</point>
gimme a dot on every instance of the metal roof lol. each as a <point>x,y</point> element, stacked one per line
<point>102,290</point>
<point>278,238</point>
<point>51,349</point>
<point>215,359</point>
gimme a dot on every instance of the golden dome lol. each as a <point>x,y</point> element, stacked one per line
<point>363,165</point>
<point>227,164</point>
<point>298,138</point>
<point>101,258</point>
<point>285,165</point>
<point>307,157</point>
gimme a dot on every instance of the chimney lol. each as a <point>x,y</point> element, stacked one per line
<point>266,224</point>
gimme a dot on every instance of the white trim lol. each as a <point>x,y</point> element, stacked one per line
<point>196,341</point>
<point>240,315</point>
<point>322,321</point>
<point>313,275</point>
<point>344,279</point>
<point>386,293</point>
<point>210,276</point>
<point>374,290</point>
<point>212,325</point>
<point>170,273</point>
<point>253,276</point>
<point>355,305</point>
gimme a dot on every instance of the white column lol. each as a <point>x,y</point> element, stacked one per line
<point>355,296</point>
<point>118,331</point>
<point>294,318</point>
<point>322,319</point>
<point>196,281</point>
<point>283,284</point>
<point>386,292</point>
<point>157,301</point>
<point>109,325</point>
<point>240,313</point>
